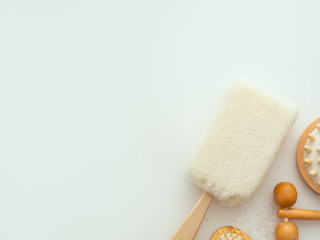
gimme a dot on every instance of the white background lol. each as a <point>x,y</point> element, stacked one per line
<point>103,103</point>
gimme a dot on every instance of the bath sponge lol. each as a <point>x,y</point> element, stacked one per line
<point>241,143</point>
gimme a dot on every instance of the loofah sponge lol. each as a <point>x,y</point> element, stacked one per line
<point>241,143</point>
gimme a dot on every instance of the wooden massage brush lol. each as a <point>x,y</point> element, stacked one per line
<point>229,233</point>
<point>308,155</point>
<point>285,195</point>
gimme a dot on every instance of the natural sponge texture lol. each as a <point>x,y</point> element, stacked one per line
<point>241,143</point>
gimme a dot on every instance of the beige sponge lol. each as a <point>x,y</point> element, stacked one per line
<point>241,144</point>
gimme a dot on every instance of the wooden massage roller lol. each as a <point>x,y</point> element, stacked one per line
<point>285,195</point>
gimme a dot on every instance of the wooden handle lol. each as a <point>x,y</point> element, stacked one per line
<point>191,224</point>
<point>293,213</point>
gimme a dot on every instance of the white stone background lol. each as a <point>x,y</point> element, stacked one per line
<point>103,103</point>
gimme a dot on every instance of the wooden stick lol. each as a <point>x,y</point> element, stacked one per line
<point>303,214</point>
<point>191,224</point>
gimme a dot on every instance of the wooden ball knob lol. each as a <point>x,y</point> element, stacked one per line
<point>285,194</point>
<point>286,231</point>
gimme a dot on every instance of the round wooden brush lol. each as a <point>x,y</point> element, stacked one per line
<point>229,233</point>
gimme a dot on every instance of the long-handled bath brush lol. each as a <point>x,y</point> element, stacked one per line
<point>238,150</point>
